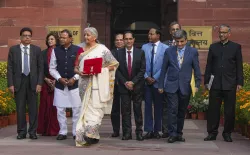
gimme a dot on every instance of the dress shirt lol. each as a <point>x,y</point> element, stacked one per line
<point>28,52</point>
<point>155,49</point>
<point>130,54</point>
<point>53,65</point>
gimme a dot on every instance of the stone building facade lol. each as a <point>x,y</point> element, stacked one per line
<point>111,16</point>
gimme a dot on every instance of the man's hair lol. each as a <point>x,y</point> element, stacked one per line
<point>224,25</point>
<point>118,34</point>
<point>174,23</point>
<point>68,32</point>
<point>25,29</point>
<point>128,32</point>
<point>55,35</point>
<point>180,34</point>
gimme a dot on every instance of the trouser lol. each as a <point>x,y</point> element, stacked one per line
<point>152,96</point>
<point>213,114</point>
<point>116,110</point>
<point>25,95</point>
<point>62,119</point>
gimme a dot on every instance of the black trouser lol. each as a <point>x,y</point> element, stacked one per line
<point>164,114</point>
<point>176,109</point>
<point>126,112</point>
<point>116,110</point>
<point>215,101</point>
<point>26,95</point>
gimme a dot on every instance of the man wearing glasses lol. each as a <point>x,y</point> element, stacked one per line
<point>224,64</point>
<point>25,77</point>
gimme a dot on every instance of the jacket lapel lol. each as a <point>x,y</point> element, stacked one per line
<point>158,53</point>
<point>186,54</point>
<point>174,54</point>
<point>19,56</point>
<point>31,56</point>
<point>125,60</point>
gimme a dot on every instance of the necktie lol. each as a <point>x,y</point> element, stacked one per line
<point>129,64</point>
<point>179,57</point>
<point>152,59</point>
<point>25,61</point>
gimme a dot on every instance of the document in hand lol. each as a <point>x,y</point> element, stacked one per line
<point>210,82</point>
<point>192,84</point>
<point>92,66</point>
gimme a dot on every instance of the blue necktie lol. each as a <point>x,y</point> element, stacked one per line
<point>152,59</point>
<point>180,57</point>
<point>25,61</point>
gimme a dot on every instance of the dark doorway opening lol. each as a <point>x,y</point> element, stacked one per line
<point>139,16</point>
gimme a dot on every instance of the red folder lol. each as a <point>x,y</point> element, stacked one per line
<point>92,66</point>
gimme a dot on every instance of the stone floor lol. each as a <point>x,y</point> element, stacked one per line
<point>194,132</point>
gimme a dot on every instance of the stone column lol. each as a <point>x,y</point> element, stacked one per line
<point>84,16</point>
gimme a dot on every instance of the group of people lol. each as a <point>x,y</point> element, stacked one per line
<point>163,74</point>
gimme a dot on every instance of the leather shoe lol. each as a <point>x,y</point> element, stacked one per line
<point>210,137</point>
<point>61,137</point>
<point>21,137</point>
<point>148,135</point>
<point>127,137</point>
<point>227,137</point>
<point>157,135</point>
<point>180,139</point>
<point>139,137</point>
<point>115,134</point>
<point>34,136</point>
<point>74,137</point>
<point>165,135</point>
<point>172,139</point>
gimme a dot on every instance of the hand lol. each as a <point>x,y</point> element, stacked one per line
<point>49,82</point>
<point>239,87</point>
<point>12,89</point>
<point>160,91</point>
<point>150,80</point>
<point>83,75</point>
<point>196,89</point>
<point>38,88</point>
<point>129,85</point>
<point>63,81</point>
<point>71,82</point>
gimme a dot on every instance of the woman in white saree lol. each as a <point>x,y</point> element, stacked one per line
<point>95,90</point>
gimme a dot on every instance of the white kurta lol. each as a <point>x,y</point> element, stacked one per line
<point>63,98</point>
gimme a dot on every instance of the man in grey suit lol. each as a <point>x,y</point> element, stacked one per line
<point>178,63</point>
<point>25,78</point>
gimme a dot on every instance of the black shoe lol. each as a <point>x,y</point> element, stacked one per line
<point>95,141</point>
<point>19,136</point>
<point>33,136</point>
<point>61,137</point>
<point>115,134</point>
<point>180,139</point>
<point>127,137</point>
<point>157,135</point>
<point>148,135</point>
<point>165,135</point>
<point>227,137</point>
<point>172,139</point>
<point>74,137</point>
<point>139,137</point>
<point>210,137</point>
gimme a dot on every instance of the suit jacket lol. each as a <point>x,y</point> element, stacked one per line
<point>147,48</point>
<point>14,67</point>
<point>138,70</point>
<point>225,63</point>
<point>179,78</point>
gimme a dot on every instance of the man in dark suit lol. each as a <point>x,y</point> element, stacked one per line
<point>116,107</point>
<point>130,76</point>
<point>25,78</point>
<point>224,62</point>
<point>178,63</point>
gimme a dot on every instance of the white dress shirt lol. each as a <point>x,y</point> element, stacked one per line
<point>28,52</point>
<point>155,49</point>
<point>131,54</point>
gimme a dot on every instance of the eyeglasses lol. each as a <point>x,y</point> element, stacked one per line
<point>27,36</point>
<point>175,29</point>
<point>222,32</point>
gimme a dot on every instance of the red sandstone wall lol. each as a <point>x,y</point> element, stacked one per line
<point>37,14</point>
<point>215,12</point>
